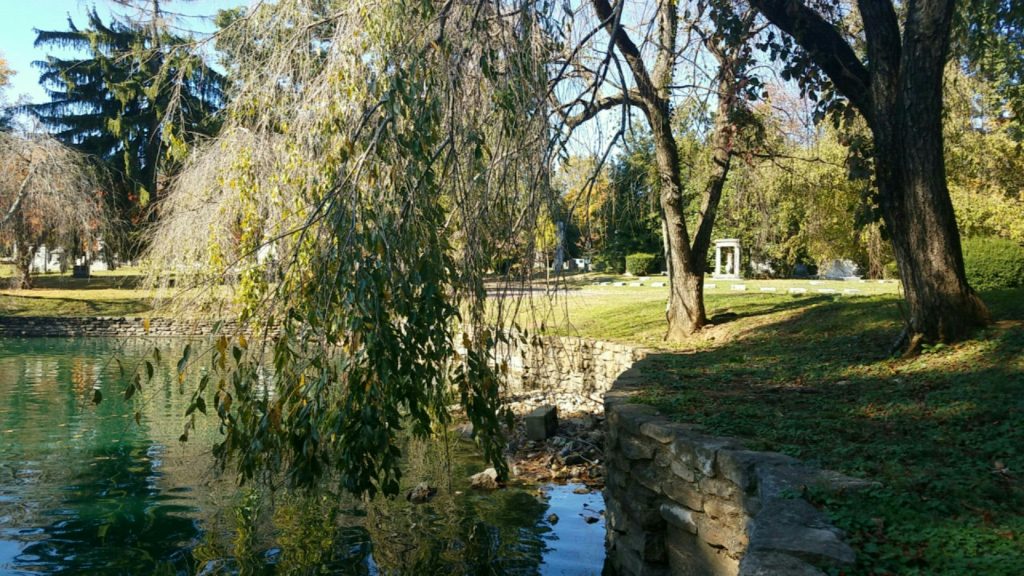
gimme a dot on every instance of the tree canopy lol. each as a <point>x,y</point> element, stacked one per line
<point>134,99</point>
<point>49,194</point>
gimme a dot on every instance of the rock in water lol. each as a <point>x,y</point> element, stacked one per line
<point>486,480</point>
<point>552,519</point>
<point>421,494</point>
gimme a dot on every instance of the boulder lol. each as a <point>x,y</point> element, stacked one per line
<point>486,480</point>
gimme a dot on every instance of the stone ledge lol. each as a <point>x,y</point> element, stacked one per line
<point>725,509</point>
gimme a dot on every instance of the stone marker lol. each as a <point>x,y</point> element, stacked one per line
<point>711,286</point>
<point>658,284</point>
<point>851,291</point>
<point>768,289</point>
<point>619,284</point>
<point>798,290</point>
<point>827,290</point>
<point>815,282</point>
<point>636,283</point>
<point>541,423</point>
<point>739,287</point>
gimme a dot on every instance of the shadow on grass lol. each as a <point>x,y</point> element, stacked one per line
<point>750,309</point>
<point>66,282</point>
<point>943,432</point>
<point>43,306</point>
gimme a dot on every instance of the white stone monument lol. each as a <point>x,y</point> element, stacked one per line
<point>731,270</point>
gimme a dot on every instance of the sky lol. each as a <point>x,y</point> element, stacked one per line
<point>20,18</point>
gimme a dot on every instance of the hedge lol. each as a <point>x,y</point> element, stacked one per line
<point>640,264</point>
<point>992,262</point>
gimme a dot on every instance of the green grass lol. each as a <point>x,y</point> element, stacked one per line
<point>113,293</point>
<point>636,314</point>
<point>943,432</point>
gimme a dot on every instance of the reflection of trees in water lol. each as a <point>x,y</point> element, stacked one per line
<point>111,501</point>
<point>114,520</point>
<point>469,533</point>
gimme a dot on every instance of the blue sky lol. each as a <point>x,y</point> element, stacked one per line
<point>19,19</point>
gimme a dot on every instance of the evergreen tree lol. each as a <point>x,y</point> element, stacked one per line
<point>133,100</point>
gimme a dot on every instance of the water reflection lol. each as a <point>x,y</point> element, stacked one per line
<point>84,489</point>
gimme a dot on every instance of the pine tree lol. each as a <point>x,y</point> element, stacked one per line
<point>134,100</point>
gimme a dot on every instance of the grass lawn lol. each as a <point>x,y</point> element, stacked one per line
<point>809,376</point>
<point>104,294</point>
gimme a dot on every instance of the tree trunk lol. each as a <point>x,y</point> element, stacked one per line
<point>911,175</point>
<point>685,311</point>
<point>899,93</point>
<point>23,262</point>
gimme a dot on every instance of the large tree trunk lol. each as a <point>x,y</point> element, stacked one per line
<point>899,93</point>
<point>911,176</point>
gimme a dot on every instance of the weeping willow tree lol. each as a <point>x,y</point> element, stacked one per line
<point>50,195</point>
<point>374,158</point>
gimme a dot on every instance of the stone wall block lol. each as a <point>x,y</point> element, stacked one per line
<point>661,430</point>
<point>614,514</point>
<point>663,458</point>
<point>630,417</point>
<point>685,493</point>
<point>740,466</point>
<point>650,546</point>
<point>691,557</point>
<point>635,448</point>
<point>641,505</point>
<point>722,509</point>
<point>678,516</point>
<point>631,564</point>
<point>718,487</point>
<point>683,471</point>
<point>646,473</point>
<point>767,563</point>
<point>732,537</point>
<point>794,527</point>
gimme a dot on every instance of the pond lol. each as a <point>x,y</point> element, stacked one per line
<point>108,489</point>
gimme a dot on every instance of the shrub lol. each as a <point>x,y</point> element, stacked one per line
<point>993,263</point>
<point>640,263</point>
<point>607,263</point>
<point>891,270</point>
<point>505,265</point>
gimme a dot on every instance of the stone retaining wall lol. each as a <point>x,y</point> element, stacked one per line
<point>682,502</point>
<point>572,373</point>
<point>679,501</point>
<point>23,326</point>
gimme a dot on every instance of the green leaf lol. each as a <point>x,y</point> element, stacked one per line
<point>183,362</point>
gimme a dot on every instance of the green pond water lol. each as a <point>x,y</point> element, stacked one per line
<point>86,489</point>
